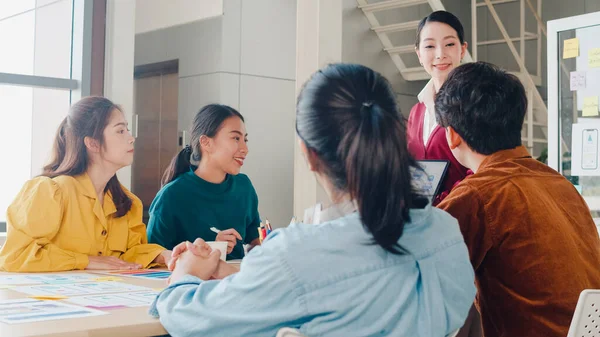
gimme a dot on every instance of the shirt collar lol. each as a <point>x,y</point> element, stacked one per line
<point>86,187</point>
<point>427,95</point>
<point>504,155</point>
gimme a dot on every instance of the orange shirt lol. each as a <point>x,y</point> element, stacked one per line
<point>532,242</point>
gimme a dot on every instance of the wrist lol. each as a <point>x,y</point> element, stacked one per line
<point>224,269</point>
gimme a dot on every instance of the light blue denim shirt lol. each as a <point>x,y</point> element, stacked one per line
<point>328,280</point>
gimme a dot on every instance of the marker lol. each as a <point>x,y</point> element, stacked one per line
<point>215,230</point>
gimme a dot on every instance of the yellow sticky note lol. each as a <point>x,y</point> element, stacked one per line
<point>6,286</point>
<point>594,58</point>
<point>158,289</point>
<point>571,48</point>
<point>590,106</point>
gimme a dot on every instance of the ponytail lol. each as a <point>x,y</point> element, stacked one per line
<point>348,116</point>
<point>378,178</point>
<point>58,149</point>
<point>179,165</point>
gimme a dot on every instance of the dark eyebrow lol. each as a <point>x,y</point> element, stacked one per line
<point>119,124</point>
<point>447,37</point>
<point>237,132</point>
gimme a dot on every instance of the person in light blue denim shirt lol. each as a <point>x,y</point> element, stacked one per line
<point>394,267</point>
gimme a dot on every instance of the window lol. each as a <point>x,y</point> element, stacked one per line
<point>44,64</point>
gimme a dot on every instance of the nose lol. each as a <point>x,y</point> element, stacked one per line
<point>439,53</point>
<point>244,148</point>
<point>131,139</point>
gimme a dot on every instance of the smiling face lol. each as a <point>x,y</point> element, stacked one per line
<point>228,148</point>
<point>440,50</point>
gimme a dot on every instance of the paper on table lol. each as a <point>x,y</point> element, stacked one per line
<point>50,278</point>
<point>571,48</point>
<point>136,299</point>
<point>69,290</point>
<point>31,310</point>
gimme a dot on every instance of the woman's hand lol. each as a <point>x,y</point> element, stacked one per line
<point>230,236</point>
<point>109,262</point>
<point>164,257</point>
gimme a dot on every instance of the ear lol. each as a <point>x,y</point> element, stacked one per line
<point>418,54</point>
<point>464,50</point>
<point>206,143</point>
<point>453,138</point>
<point>311,157</point>
<point>91,144</point>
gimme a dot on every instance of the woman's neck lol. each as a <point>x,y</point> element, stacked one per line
<point>99,176</point>
<point>209,173</point>
<point>437,83</point>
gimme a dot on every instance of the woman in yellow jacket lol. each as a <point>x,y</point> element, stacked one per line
<point>77,215</point>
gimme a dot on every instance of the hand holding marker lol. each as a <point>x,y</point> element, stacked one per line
<point>229,235</point>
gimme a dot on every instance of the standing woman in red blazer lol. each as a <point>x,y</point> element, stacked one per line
<point>441,46</point>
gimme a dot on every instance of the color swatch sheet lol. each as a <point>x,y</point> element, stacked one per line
<point>145,274</point>
<point>29,310</point>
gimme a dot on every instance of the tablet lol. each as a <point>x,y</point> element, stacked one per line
<point>429,180</point>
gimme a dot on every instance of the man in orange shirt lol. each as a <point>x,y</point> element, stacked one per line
<point>531,238</point>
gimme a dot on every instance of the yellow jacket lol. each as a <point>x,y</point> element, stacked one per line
<point>55,224</point>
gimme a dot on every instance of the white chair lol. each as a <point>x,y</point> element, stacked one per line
<point>586,319</point>
<point>453,334</point>
<point>289,332</point>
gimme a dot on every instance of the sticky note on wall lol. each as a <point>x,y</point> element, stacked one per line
<point>594,58</point>
<point>578,80</point>
<point>571,48</point>
<point>590,106</point>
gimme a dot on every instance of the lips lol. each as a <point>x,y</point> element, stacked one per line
<point>239,160</point>
<point>443,66</point>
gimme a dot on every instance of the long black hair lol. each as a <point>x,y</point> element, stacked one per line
<point>347,115</point>
<point>207,122</point>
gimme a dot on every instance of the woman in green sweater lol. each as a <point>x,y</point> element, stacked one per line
<point>203,187</point>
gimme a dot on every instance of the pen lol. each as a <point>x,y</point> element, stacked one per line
<point>215,230</point>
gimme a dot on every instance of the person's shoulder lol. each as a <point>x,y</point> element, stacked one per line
<point>243,181</point>
<point>467,191</point>
<point>46,185</point>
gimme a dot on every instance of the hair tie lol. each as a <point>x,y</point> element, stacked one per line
<point>187,149</point>
<point>367,104</point>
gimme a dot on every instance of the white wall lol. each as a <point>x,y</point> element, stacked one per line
<point>246,59</point>
<point>118,72</point>
<point>157,14</point>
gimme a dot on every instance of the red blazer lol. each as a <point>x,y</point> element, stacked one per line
<point>436,148</point>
